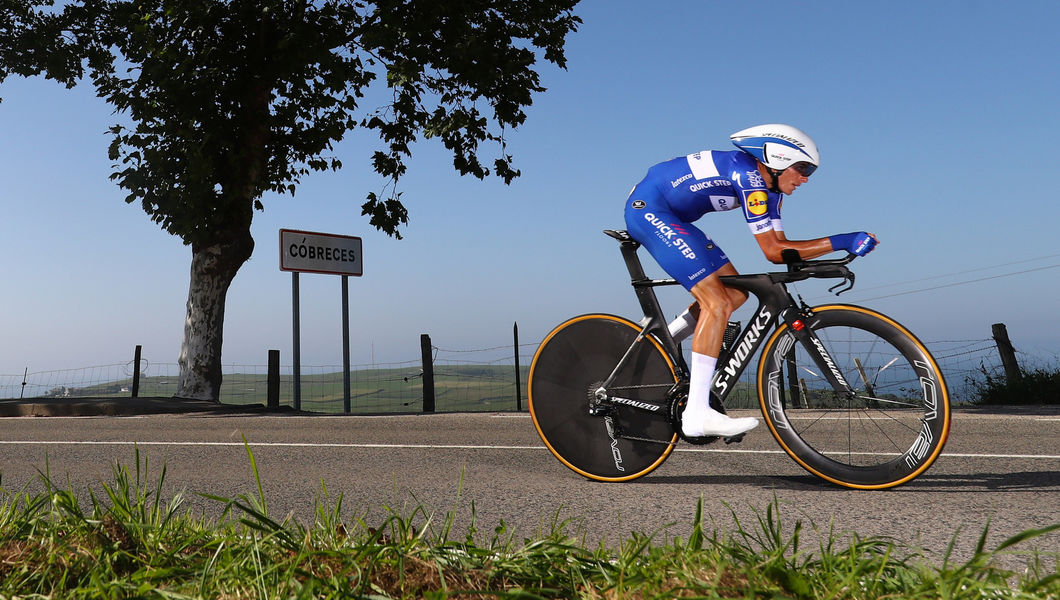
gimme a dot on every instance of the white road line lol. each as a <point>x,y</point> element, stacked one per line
<point>446,447</point>
<point>272,445</point>
<point>1037,456</point>
<point>492,416</point>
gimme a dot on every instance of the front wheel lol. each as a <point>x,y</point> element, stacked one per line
<point>887,426</point>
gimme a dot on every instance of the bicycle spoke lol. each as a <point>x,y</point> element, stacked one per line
<point>907,404</point>
<point>882,427</point>
<point>875,423</point>
<point>811,373</point>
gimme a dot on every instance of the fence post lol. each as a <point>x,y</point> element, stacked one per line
<point>1008,353</point>
<point>797,400</point>
<point>518,387</point>
<point>136,372</point>
<point>428,373</point>
<point>274,379</point>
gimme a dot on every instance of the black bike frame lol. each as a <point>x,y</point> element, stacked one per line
<point>774,304</point>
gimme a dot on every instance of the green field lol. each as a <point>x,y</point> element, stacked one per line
<point>456,388</point>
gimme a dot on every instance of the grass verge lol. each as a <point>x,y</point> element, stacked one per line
<point>128,541</point>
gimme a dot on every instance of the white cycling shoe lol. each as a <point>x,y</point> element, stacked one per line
<point>713,423</point>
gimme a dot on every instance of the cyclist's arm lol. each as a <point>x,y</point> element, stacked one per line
<point>773,243</point>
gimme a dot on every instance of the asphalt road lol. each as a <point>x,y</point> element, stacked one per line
<point>1001,468</point>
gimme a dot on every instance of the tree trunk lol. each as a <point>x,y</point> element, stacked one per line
<point>213,267</point>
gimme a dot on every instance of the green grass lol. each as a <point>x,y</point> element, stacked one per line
<point>129,542</point>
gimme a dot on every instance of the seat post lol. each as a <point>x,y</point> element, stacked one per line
<point>629,248</point>
<point>655,320</point>
<point>633,264</point>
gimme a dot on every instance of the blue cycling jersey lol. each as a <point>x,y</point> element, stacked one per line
<point>709,181</point>
<point>661,208</point>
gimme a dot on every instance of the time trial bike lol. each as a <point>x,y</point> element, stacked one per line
<point>850,394</point>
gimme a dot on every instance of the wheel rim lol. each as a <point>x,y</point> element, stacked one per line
<point>570,362</point>
<point>888,432</point>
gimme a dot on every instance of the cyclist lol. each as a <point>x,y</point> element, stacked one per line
<point>771,161</point>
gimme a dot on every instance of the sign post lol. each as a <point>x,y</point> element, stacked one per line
<point>327,253</point>
<point>345,344</point>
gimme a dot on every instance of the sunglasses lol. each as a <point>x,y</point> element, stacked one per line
<point>804,168</point>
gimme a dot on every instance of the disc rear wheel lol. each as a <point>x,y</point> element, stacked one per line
<point>630,433</point>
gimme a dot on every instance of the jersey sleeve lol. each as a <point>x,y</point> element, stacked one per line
<point>774,213</point>
<point>761,208</point>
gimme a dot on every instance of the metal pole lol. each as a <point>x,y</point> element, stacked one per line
<point>345,344</point>
<point>518,388</point>
<point>297,351</point>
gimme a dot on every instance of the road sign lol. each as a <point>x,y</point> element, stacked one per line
<point>311,252</point>
<point>331,254</point>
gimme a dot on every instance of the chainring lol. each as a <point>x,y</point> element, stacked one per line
<point>678,400</point>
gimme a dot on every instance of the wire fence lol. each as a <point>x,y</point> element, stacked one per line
<point>464,380</point>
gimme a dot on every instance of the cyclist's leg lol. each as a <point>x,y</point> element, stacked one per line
<point>694,260</point>
<point>680,248</point>
<point>684,324</point>
<point>716,303</point>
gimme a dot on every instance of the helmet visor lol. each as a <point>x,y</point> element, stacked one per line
<point>804,168</point>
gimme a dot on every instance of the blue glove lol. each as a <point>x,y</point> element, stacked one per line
<point>858,242</point>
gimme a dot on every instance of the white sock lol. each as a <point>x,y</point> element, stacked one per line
<point>682,326</point>
<point>698,418</point>
<point>702,368</point>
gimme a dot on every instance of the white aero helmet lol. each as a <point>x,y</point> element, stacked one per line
<point>778,147</point>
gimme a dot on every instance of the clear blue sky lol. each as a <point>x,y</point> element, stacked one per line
<point>937,123</point>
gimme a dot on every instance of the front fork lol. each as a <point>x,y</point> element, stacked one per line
<point>798,321</point>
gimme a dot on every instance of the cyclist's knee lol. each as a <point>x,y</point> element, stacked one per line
<point>717,307</point>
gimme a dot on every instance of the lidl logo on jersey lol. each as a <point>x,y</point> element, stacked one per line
<point>757,203</point>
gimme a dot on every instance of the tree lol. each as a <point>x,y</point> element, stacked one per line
<point>225,100</point>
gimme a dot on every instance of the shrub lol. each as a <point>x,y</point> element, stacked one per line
<point>1037,386</point>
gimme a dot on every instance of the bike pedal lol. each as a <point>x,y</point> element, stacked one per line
<point>700,441</point>
<point>736,439</point>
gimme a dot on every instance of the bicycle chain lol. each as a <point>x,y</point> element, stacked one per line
<point>641,439</point>
<point>638,387</point>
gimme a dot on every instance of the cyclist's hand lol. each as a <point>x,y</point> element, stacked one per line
<point>859,243</point>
